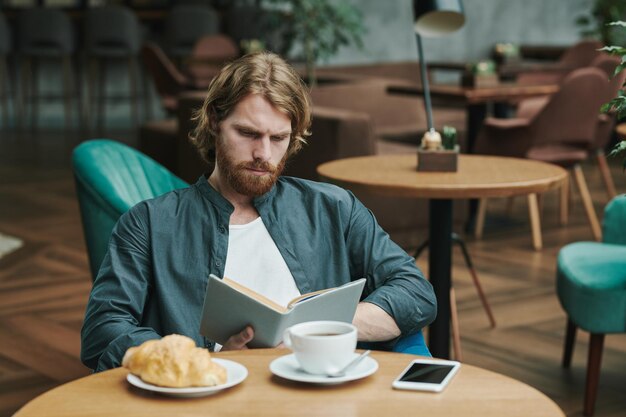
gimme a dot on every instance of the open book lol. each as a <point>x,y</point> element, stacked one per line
<point>229,307</point>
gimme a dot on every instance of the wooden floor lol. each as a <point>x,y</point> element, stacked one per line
<point>44,285</point>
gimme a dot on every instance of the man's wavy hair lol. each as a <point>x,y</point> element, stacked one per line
<point>262,73</point>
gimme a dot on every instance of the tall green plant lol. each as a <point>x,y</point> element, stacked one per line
<point>316,29</point>
<point>618,104</point>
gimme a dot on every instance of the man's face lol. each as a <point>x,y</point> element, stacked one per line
<point>251,149</point>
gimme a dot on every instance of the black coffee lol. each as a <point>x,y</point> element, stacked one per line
<point>324,334</point>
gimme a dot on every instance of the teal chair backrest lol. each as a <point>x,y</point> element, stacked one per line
<point>614,223</point>
<point>111,178</point>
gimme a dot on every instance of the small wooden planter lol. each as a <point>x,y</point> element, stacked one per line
<point>437,161</point>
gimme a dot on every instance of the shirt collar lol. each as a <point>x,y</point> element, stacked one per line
<point>212,195</point>
<point>217,199</point>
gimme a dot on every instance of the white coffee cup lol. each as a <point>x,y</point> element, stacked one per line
<point>322,347</point>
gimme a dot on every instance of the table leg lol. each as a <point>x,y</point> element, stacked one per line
<point>476,114</point>
<point>439,263</point>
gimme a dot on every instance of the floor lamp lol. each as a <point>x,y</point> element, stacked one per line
<point>436,18</point>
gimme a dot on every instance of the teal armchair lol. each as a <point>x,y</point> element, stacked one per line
<point>591,286</point>
<point>111,178</point>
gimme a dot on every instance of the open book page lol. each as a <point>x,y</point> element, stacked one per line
<point>306,296</point>
<point>259,297</point>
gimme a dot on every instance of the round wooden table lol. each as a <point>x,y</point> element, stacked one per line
<point>477,177</point>
<point>472,392</point>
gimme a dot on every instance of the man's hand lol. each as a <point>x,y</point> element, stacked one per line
<point>239,340</point>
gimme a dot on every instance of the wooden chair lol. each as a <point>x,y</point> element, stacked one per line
<point>208,56</point>
<point>579,55</point>
<point>168,80</point>
<point>561,133</point>
<point>606,121</point>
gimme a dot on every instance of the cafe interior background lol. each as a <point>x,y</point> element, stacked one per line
<point>45,274</point>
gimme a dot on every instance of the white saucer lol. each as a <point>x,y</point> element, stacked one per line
<point>288,367</point>
<point>235,371</point>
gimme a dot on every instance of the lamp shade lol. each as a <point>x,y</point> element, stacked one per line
<point>437,17</point>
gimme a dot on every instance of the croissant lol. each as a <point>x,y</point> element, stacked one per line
<point>174,361</point>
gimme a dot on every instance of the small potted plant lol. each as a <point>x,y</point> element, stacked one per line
<point>439,154</point>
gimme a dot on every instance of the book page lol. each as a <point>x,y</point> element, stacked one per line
<point>255,295</point>
<point>306,297</point>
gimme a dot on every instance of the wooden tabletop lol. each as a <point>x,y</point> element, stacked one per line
<point>477,176</point>
<point>472,392</point>
<point>476,95</point>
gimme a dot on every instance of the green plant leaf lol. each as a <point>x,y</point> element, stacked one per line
<point>614,50</point>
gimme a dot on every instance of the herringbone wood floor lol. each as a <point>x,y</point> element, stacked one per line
<point>44,286</point>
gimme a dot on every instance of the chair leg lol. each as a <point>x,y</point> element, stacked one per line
<point>92,84</point>
<point>101,101</point>
<point>564,202</point>
<point>134,103</point>
<point>456,333</point>
<point>67,90</point>
<point>593,372</point>
<point>420,249</point>
<point>480,218</point>
<point>509,206</point>
<point>474,275</point>
<point>606,174</point>
<point>34,91</point>
<point>535,220</point>
<point>4,91</point>
<point>586,197</point>
<point>568,347</point>
<point>147,96</point>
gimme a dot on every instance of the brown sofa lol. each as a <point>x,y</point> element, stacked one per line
<point>392,116</point>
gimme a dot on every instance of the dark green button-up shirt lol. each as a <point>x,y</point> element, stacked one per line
<point>153,279</point>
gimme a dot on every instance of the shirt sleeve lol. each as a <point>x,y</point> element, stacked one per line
<point>119,294</point>
<point>394,282</point>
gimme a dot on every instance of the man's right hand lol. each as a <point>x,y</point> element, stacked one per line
<point>240,340</point>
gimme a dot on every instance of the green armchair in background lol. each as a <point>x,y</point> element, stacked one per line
<point>591,285</point>
<point>111,178</point>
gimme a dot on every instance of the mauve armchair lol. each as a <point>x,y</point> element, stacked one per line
<point>561,132</point>
<point>606,121</point>
<point>579,55</point>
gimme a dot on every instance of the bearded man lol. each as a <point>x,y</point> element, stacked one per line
<point>280,236</point>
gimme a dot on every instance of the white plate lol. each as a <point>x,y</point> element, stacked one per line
<point>235,371</point>
<point>288,367</point>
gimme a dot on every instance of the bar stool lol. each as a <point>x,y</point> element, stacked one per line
<point>5,75</point>
<point>46,34</point>
<point>186,23</point>
<point>112,33</point>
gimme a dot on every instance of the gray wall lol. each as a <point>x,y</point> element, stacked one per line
<point>390,35</point>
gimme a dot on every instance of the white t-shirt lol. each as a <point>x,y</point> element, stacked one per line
<point>253,260</point>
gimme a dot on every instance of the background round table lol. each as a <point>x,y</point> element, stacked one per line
<point>478,176</point>
<point>472,392</point>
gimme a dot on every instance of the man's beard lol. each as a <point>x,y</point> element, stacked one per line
<point>244,182</point>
